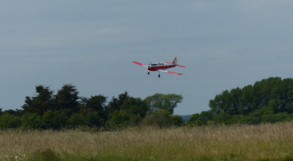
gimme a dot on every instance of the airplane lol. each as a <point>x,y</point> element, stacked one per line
<point>160,67</point>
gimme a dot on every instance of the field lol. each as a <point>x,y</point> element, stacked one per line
<point>235,142</point>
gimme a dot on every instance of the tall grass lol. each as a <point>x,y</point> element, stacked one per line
<point>235,142</point>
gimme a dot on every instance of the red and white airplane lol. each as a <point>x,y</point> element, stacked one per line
<point>160,67</point>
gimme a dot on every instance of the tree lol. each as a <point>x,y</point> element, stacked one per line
<point>96,103</point>
<point>94,119</point>
<point>9,121</point>
<point>76,119</point>
<point>273,92</point>
<point>118,118</point>
<point>222,118</point>
<point>40,103</point>
<point>15,112</point>
<point>32,121</point>
<point>194,120</point>
<point>66,98</point>
<point>115,103</point>
<point>153,101</point>
<point>176,120</point>
<point>135,106</point>
<point>199,119</point>
<point>129,111</point>
<point>54,119</point>
<point>163,101</point>
<point>206,116</point>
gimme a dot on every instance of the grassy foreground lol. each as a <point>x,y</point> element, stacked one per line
<point>236,142</point>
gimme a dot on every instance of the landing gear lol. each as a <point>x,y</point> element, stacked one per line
<point>148,73</point>
<point>159,76</point>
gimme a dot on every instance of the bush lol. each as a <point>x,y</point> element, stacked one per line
<point>94,119</point>
<point>237,119</point>
<point>192,119</point>
<point>134,120</point>
<point>159,118</point>
<point>118,118</point>
<point>32,121</point>
<point>287,158</point>
<point>272,118</point>
<point>54,120</point>
<point>46,155</point>
<point>222,118</point>
<point>176,120</point>
<point>9,121</point>
<point>75,120</point>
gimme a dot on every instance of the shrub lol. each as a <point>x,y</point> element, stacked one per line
<point>192,119</point>
<point>176,120</point>
<point>159,118</point>
<point>94,119</point>
<point>118,118</point>
<point>9,121</point>
<point>32,121</point>
<point>54,120</point>
<point>46,155</point>
<point>75,120</point>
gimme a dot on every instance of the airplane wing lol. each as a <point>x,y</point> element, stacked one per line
<point>138,63</point>
<point>176,64</point>
<point>170,72</point>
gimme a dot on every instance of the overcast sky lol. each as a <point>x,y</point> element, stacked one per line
<point>91,44</point>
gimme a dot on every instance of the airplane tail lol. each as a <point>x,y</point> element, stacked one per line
<point>174,61</point>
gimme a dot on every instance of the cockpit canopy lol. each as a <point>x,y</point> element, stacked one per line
<point>158,64</point>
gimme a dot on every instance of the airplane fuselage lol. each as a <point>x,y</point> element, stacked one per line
<point>158,67</point>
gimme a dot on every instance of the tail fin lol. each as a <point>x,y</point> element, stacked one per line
<point>174,61</point>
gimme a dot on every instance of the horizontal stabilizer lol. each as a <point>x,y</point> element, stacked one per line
<point>180,65</point>
<point>174,73</point>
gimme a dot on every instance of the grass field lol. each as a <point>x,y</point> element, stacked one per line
<point>236,142</point>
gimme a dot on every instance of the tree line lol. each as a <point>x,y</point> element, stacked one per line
<point>66,109</point>
<point>269,100</point>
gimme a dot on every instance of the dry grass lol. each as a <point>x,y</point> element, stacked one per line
<point>236,142</point>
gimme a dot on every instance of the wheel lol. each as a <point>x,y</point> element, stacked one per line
<point>148,73</point>
<point>159,76</point>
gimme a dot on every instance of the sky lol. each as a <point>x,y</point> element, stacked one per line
<point>92,43</point>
